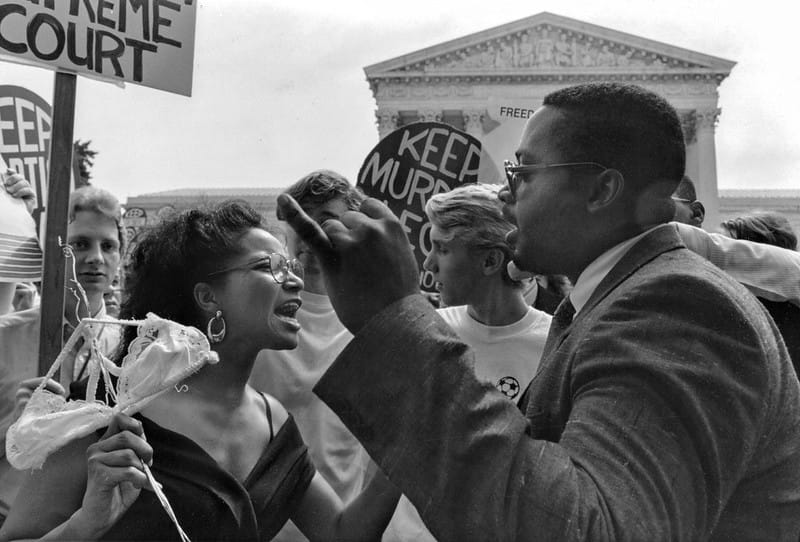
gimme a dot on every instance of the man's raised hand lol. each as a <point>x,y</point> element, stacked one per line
<point>365,256</point>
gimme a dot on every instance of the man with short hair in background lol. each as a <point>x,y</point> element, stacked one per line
<point>688,209</point>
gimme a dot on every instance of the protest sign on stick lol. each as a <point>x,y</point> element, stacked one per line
<point>51,333</point>
<point>25,134</point>
<point>146,42</point>
<point>410,165</point>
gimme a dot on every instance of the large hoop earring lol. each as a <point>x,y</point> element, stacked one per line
<point>216,337</point>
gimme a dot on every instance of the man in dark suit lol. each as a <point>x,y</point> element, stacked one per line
<point>666,407</point>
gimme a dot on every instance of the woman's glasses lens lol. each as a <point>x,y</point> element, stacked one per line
<point>280,267</point>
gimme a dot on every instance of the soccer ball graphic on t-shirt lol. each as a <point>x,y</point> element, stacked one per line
<point>508,386</point>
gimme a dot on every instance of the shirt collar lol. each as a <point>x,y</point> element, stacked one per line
<point>595,272</point>
<point>101,314</point>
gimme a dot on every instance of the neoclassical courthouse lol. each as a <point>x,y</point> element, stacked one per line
<point>489,82</point>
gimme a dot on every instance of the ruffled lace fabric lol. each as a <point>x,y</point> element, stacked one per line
<point>163,354</point>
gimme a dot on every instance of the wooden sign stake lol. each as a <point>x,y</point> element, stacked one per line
<point>51,334</point>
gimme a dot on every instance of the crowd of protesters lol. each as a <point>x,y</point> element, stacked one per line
<point>593,366</point>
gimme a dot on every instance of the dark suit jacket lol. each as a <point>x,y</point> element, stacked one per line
<point>670,411</point>
<point>787,318</point>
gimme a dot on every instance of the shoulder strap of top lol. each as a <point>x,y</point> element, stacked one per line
<point>269,415</point>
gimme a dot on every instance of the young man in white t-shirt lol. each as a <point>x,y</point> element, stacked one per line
<point>483,305</point>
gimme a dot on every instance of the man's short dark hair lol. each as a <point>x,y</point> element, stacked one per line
<point>321,186</point>
<point>624,127</point>
<point>686,189</point>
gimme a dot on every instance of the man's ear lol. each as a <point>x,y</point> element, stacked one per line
<point>493,261</point>
<point>604,190</point>
<point>698,213</point>
<point>205,298</point>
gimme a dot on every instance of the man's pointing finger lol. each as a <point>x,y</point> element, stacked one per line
<point>306,228</point>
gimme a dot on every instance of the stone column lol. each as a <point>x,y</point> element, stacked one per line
<point>473,122</point>
<point>689,126</point>
<point>386,120</point>
<point>706,183</point>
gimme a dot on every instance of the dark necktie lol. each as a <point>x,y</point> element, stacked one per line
<point>558,326</point>
<point>561,321</point>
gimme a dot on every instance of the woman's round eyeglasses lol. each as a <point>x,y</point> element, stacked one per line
<point>278,265</point>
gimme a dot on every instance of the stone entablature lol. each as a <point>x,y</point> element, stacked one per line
<point>438,88</point>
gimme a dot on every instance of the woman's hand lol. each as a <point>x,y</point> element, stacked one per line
<point>115,475</point>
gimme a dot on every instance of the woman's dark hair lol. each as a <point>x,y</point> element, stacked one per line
<point>763,227</point>
<point>178,253</point>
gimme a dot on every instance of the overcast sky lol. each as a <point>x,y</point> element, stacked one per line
<point>279,87</point>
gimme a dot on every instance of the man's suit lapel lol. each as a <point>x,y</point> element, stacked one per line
<point>662,239</point>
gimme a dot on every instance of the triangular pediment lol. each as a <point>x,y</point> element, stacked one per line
<point>548,43</point>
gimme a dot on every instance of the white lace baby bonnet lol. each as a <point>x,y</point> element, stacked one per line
<point>163,354</point>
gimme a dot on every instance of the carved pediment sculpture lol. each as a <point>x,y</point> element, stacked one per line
<point>546,47</point>
<point>548,43</point>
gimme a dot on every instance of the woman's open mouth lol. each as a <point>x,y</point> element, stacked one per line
<point>287,312</point>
